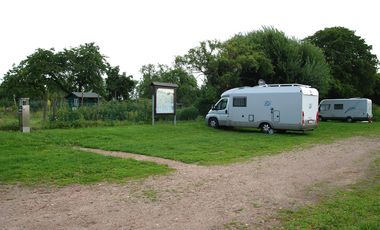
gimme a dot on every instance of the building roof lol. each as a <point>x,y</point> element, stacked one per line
<point>85,94</point>
<point>164,84</point>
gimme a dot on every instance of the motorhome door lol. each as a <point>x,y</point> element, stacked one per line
<point>276,116</point>
<point>221,110</point>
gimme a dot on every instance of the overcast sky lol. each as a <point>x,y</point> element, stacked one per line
<point>134,33</point>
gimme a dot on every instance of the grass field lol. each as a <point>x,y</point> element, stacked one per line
<point>357,208</point>
<point>194,142</point>
<point>32,160</point>
<point>47,156</point>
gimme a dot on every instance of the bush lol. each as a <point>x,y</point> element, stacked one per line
<point>189,113</point>
<point>376,112</point>
<point>107,113</point>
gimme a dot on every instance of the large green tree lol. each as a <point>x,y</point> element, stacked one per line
<point>47,71</point>
<point>187,85</point>
<point>119,86</point>
<point>353,66</point>
<point>245,58</point>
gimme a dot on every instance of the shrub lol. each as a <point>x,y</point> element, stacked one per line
<point>107,113</point>
<point>376,112</point>
<point>189,113</point>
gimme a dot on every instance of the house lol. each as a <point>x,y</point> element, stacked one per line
<point>76,99</point>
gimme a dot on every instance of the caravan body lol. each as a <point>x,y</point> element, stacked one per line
<point>352,109</point>
<point>272,106</point>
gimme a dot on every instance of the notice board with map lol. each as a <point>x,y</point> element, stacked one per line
<point>164,95</point>
<point>165,101</point>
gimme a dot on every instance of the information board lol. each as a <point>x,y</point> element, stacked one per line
<point>165,101</point>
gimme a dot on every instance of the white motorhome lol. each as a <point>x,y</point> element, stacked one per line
<point>352,109</point>
<point>268,107</point>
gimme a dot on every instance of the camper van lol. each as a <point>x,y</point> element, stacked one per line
<point>268,107</point>
<point>352,109</point>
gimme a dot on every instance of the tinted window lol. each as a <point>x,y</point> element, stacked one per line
<point>325,107</point>
<point>239,102</point>
<point>338,106</point>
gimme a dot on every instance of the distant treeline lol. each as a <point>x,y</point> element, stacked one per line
<point>334,60</point>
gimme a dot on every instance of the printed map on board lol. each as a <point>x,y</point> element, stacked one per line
<point>165,100</point>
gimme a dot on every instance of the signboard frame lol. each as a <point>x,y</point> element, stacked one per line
<point>157,98</point>
<point>161,85</point>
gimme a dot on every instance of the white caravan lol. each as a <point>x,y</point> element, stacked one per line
<point>352,109</point>
<point>268,107</point>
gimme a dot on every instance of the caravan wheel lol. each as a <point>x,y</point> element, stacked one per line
<point>266,128</point>
<point>213,122</point>
<point>349,119</point>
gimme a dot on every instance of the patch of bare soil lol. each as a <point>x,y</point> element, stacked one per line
<point>243,195</point>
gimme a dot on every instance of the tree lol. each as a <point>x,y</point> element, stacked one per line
<point>118,86</point>
<point>86,66</point>
<point>45,71</point>
<point>292,61</point>
<point>264,54</point>
<point>376,95</point>
<point>187,85</point>
<point>352,64</point>
<point>36,75</point>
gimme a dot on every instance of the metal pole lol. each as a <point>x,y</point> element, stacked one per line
<point>152,109</point>
<point>175,119</point>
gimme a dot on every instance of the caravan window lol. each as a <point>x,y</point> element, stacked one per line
<point>239,102</point>
<point>222,104</point>
<point>325,107</point>
<point>338,106</point>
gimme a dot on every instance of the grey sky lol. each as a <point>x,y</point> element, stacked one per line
<point>134,33</point>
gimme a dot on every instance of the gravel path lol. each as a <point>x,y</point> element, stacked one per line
<point>243,195</point>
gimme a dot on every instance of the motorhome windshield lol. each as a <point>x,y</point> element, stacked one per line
<point>222,104</point>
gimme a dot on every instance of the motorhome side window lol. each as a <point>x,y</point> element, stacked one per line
<point>338,106</point>
<point>325,107</point>
<point>221,105</point>
<point>239,102</point>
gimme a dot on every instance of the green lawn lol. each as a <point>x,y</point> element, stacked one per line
<point>357,208</point>
<point>31,160</point>
<point>194,142</point>
<point>47,156</point>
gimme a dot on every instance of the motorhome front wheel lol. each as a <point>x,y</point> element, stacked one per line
<point>213,122</point>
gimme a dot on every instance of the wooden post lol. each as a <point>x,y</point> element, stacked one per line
<point>152,109</point>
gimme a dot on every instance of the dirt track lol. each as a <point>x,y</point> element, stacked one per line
<point>193,197</point>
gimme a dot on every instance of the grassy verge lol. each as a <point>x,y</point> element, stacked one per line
<point>194,142</point>
<point>46,156</point>
<point>30,160</point>
<point>358,208</point>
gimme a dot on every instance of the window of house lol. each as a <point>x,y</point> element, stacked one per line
<point>338,106</point>
<point>76,102</point>
<point>239,102</point>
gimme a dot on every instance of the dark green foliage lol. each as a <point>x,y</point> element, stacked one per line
<point>132,111</point>
<point>376,112</point>
<point>118,87</point>
<point>47,74</point>
<point>187,85</point>
<point>208,97</point>
<point>189,113</point>
<point>376,95</point>
<point>352,64</point>
<point>245,58</point>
